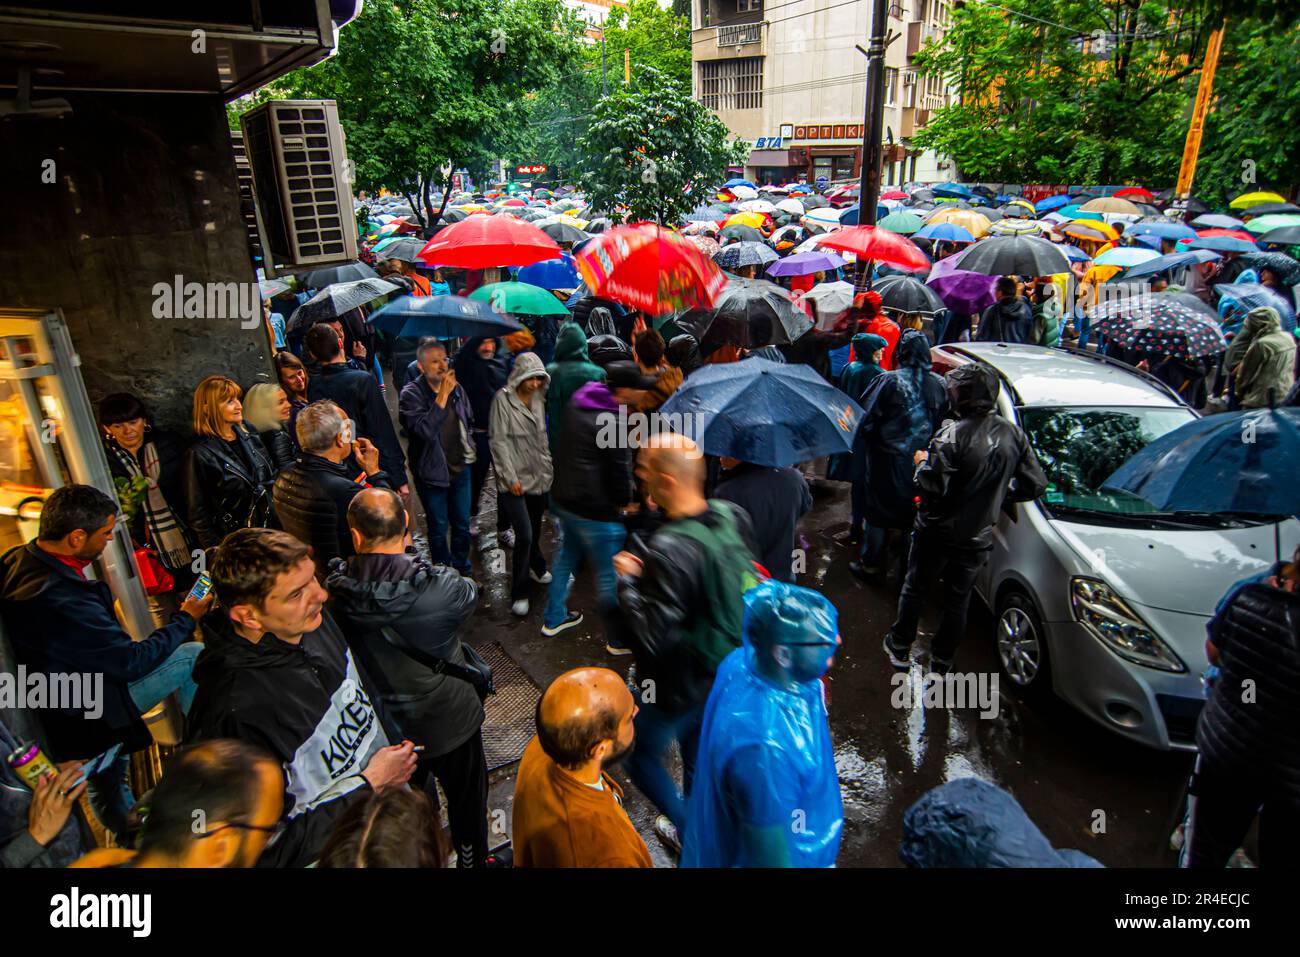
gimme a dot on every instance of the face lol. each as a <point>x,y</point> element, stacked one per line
<point>434,365</point>
<point>338,330</point>
<point>294,380</point>
<point>532,385</point>
<point>128,434</point>
<point>232,410</point>
<point>292,608</point>
<point>487,348</point>
<point>282,407</point>
<point>807,662</point>
<point>90,545</point>
<point>621,746</point>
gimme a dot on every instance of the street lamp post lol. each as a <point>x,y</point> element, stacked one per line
<point>872,124</point>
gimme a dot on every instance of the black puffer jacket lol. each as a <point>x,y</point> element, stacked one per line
<point>224,493</point>
<point>1257,632</point>
<point>426,606</point>
<point>590,481</point>
<point>312,498</point>
<point>976,462</point>
<point>280,447</point>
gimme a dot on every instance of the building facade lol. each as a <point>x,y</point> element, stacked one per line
<point>787,76</point>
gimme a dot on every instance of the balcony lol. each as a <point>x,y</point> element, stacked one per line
<point>918,31</point>
<point>716,43</point>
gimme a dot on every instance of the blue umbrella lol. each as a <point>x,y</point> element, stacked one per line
<point>1215,221</point>
<point>765,412</point>
<point>1223,244</point>
<point>1125,256</point>
<point>850,215</point>
<point>947,232</point>
<point>1051,203</point>
<point>737,181</point>
<point>552,274</point>
<point>1193,257</point>
<point>443,316</point>
<point>952,190</point>
<point>1253,295</point>
<point>1075,254</point>
<point>1163,230</point>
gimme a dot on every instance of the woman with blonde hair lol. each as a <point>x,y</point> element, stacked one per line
<point>267,412</point>
<point>228,473</point>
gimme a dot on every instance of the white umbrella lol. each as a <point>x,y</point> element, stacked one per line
<point>791,206</point>
<point>829,299</point>
<point>824,216</point>
<point>743,192</point>
<point>757,206</point>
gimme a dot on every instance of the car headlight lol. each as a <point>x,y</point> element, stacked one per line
<point>1118,626</point>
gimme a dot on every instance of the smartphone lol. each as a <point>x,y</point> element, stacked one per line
<point>95,765</point>
<point>201,588</point>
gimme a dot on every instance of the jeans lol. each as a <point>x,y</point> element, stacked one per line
<point>655,730</point>
<point>960,563</point>
<point>874,552</point>
<point>448,507</point>
<point>525,517</point>
<point>598,542</point>
<point>108,792</point>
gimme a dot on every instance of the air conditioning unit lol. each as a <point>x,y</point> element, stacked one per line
<point>302,187</point>
<point>247,208</point>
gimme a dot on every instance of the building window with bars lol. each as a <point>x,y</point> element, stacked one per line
<point>732,84</point>
<point>891,85</point>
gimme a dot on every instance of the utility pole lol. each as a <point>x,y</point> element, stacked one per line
<point>1192,147</point>
<point>604,78</point>
<point>872,127</point>
<point>627,66</point>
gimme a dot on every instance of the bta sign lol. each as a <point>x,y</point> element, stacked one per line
<point>768,143</point>
<point>530,170</point>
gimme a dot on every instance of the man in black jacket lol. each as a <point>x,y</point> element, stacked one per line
<point>62,623</point>
<point>973,466</point>
<point>358,395</point>
<point>775,500</point>
<point>683,608</point>
<point>1010,319</point>
<point>386,591</point>
<point>276,672</point>
<point>312,495</point>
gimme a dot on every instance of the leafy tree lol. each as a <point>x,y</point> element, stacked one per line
<point>653,36</point>
<point>653,149</point>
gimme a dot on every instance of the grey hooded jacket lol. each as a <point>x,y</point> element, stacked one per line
<point>517,432</point>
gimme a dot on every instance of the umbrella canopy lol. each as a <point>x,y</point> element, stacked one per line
<point>649,268</point>
<point>879,245</point>
<point>744,192</point>
<point>792,206</point>
<point>1287,269</point>
<point>1014,256</point>
<point>1204,466</point>
<point>1217,221</point>
<point>825,215</point>
<point>1269,209</point>
<point>270,288</point>
<point>952,191</point>
<point>1158,324</point>
<point>348,272</point>
<point>705,244</point>
<point>1286,236</point>
<point>767,413</point>
<point>965,293</point>
<point>850,215</point>
<point>946,232</point>
<point>758,206</point>
<point>1089,229</point>
<point>760,305</point>
<point>551,274</point>
<point>705,227</point>
<point>1263,224</point>
<point>336,299</point>
<point>564,232</point>
<point>406,250</point>
<point>1015,227</point>
<point>1234,233</point>
<point>1219,244</point>
<point>738,181</point>
<point>480,242</point>
<point>1252,295</point>
<point>1111,204</point>
<point>1074,254</point>
<point>977,224</point>
<point>793,233</point>
<point>805,264</point>
<point>830,298</point>
<point>1255,198</point>
<point>907,296</point>
<point>1126,256</point>
<point>445,317</point>
<point>903,223</point>
<point>894,194</point>
<point>1051,203</point>
<point>1162,230</point>
<point>745,254</point>
<point>1172,261</point>
<point>742,233</point>
<point>519,298</point>
<point>1135,193</point>
<point>754,220</point>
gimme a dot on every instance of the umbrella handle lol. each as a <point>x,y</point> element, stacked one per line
<point>863,283</point>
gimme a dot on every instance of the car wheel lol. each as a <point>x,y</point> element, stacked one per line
<point>1022,644</point>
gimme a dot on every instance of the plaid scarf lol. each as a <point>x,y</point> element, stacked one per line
<point>162,529</point>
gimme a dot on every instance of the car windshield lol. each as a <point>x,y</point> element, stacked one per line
<point>1081,447</point>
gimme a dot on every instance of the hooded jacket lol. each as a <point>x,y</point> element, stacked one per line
<point>517,431</point>
<point>858,374</point>
<point>570,370</point>
<point>592,481</point>
<point>684,353</point>
<point>480,378</point>
<point>888,330</point>
<point>976,462</point>
<point>312,498</point>
<point>308,706</point>
<point>426,606</point>
<point>1007,320</point>
<point>1268,367</point>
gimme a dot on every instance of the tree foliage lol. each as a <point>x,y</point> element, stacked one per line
<point>653,149</point>
<point>653,37</point>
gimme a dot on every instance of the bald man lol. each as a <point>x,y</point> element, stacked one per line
<point>682,607</point>
<point>568,811</point>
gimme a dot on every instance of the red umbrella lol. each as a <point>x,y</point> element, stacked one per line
<point>513,202</point>
<point>894,194</point>
<point>479,242</point>
<point>879,245</point>
<point>650,268</point>
<point>1234,233</point>
<point>1136,192</point>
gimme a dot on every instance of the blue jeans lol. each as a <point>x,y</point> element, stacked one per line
<point>598,542</point>
<point>108,792</point>
<point>874,541</point>
<point>655,730</point>
<point>446,507</point>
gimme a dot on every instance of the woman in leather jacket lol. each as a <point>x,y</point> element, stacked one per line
<point>228,473</point>
<point>266,412</point>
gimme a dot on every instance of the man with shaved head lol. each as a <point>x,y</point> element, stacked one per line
<point>681,598</point>
<point>568,811</point>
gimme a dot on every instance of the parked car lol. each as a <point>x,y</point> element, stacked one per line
<point>1095,594</point>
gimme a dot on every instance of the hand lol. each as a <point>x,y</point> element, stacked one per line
<point>639,326</point>
<point>517,489</point>
<point>391,766</point>
<point>625,563</point>
<point>920,457</point>
<point>448,384</point>
<point>358,350</point>
<point>405,491</point>
<point>51,806</point>
<point>367,455</point>
<point>197,609</point>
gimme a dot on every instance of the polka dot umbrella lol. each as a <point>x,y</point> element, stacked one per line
<point>1160,325</point>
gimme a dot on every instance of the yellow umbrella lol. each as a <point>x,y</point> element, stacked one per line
<point>1100,274</point>
<point>1091,229</point>
<point>471,207</point>
<point>977,224</point>
<point>757,220</point>
<point>1111,204</point>
<point>1246,200</point>
<point>1023,202</point>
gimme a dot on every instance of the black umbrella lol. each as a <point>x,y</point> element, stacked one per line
<point>765,311</point>
<point>454,215</point>
<point>923,195</point>
<point>1161,325</point>
<point>1014,256</point>
<point>814,201</point>
<point>907,296</point>
<point>336,299</point>
<point>742,232</point>
<point>348,272</point>
<point>406,250</point>
<point>1185,207</point>
<point>745,254</point>
<point>412,317</point>
<point>1285,236</point>
<point>991,214</point>
<point>565,233</point>
<point>1266,209</point>
<point>1287,269</point>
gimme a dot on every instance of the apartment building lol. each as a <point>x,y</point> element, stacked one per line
<point>786,75</point>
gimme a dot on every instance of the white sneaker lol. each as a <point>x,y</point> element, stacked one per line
<point>520,608</point>
<point>543,579</point>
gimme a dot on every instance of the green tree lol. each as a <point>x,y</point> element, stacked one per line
<point>653,149</point>
<point>653,36</point>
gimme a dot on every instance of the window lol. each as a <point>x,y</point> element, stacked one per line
<point>732,84</point>
<point>749,6</point>
<point>891,85</point>
<point>705,6</point>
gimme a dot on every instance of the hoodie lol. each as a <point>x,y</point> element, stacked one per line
<point>572,368</point>
<point>517,431</point>
<point>857,375</point>
<point>594,475</point>
<point>1007,320</point>
<point>684,353</point>
<point>307,705</point>
<point>1267,369</point>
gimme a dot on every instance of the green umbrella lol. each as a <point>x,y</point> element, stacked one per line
<point>902,223</point>
<point>520,298</point>
<point>1263,224</point>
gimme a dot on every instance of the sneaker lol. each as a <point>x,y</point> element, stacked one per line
<point>900,659</point>
<point>519,608</point>
<point>617,649</point>
<point>507,538</point>
<point>543,579</point>
<point>573,620</point>
<point>667,832</point>
<point>866,573</point>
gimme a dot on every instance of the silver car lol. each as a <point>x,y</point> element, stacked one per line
<point>1095,594</point>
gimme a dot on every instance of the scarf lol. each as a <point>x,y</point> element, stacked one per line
<point>162,530</point>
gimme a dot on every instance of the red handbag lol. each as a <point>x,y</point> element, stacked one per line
<point>155,577</point>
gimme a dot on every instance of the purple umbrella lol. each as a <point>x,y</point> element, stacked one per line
<point>945,266</point>
<point>805,264</point>
<point>964,292</point>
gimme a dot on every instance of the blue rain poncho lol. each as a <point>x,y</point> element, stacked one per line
<point>765,791</point>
